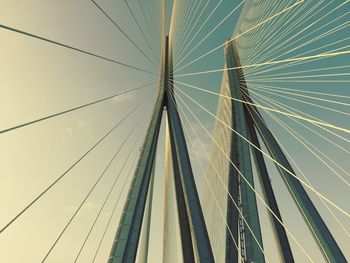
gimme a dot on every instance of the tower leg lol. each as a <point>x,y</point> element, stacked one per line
<point>185,229</point>
<point>279,231</point>
<point>201,244</point>
<point>232,216</point>
<point>126,241</point>
<point>186,190</point>
<point>319,229</point>
<point>253,245</point>
<point>142,254</point>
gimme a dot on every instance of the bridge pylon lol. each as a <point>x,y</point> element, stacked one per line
<point>194,237</point>
<point>247,122</point>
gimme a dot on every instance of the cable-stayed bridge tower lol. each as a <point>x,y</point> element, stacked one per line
<point>240,149</point>
<point>194,237</point>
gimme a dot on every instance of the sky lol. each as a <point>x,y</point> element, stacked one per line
<point>38,79</point>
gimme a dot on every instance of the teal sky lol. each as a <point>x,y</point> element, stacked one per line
<point>38,79</point>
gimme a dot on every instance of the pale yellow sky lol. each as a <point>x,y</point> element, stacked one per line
<point>38,79</point>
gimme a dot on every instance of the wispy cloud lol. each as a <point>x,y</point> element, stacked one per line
<point>124,98</point>
<point>89,208</point>
<point>200,146</point>
<point>77,127</point>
